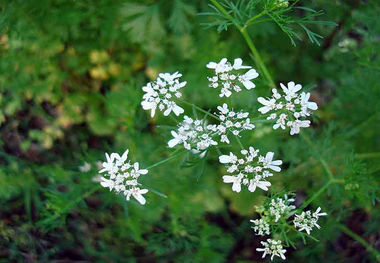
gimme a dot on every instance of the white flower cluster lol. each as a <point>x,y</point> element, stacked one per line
<point>261,226</point>
<point>272,248</point>
<point>251,170</point>
<point>193,134</point>
<point>161,92</point>
<point>123,176</point>
<point>228,78</point>
<point>308,220</point>
<point>289,109</point>
<point>277,208</point>
<point>281,207</point>
<point>230,122</point>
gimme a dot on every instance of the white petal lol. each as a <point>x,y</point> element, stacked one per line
<point>224,159</point>
<point>211,65</point>
<point>139,198</point>
<point>251,74</point>
<point>178,110</point>
<point>269,156</point>
<point>173,142</point>
<point>143,171</point>
<point>264,185</point>
<point>229,179</point>
<point>236,186</point>
<point>248,84</point>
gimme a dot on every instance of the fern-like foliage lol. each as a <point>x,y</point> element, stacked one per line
<point>244,13</point>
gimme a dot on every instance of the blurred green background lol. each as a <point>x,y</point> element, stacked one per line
<point>71,73</point>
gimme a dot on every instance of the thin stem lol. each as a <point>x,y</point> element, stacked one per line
<point>254,18</point>
<point>200,109</point>
<point>173,156</point>
<point>221,9</point>
<point>318,193</point>
<point>257,56</point>
<point>361,240</point>
<point>239,142</point>
<point>367,155</point>
<point>249,41</point>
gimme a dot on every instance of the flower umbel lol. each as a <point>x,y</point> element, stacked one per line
<point>230,122</point>
<point>193,134</point>
<point>160,93</point>
<point>289,109</point>
<point>308,220</point>
<point>228,77</point>
<point>121,176</point>
<point>272,248</point>
<point>250,170</point>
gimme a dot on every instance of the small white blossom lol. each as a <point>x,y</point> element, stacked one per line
<point>290,109</point>
<point>261,226</point>
<point>281,207</point>
<point>272,248</point>
<point>250,170</point>
<point>121,176</point>
<point>86,167</point>
<point>159,94</point>
<point>230,123</point>
<point>308,220</point>
<point>193,134</point>
<point>228,78</point>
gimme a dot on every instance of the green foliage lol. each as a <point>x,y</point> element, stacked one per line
<point>71,74</point>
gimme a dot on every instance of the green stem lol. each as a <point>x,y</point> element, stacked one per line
<point>367,155</point>
<point>318,193</point>
<point>239,142</point>
<point>221,9</point>
<point>249,41</point>
<point>175,155</point>
<point>257,57</point>
<point>361,240</point>
<point>200,109</point>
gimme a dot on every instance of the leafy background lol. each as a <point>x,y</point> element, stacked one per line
<point>71,74</point>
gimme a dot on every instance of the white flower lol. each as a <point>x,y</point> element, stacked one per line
<point>306,104</point>
<point>291,90</point>
<point>86,167</point>
<point>231,123</point>
<point>238,64</point>
<point>195,135</point>
<point>307,220</point>
<point>269,163</point>
<point>137,193</point>
<point>281,207</point>
<point>159,94</point>
<point>122,176</point>
<point>296,125</point>
<point>261,226</point>
<point>235,180</point>
<point>247,77</point>
<point>257,183</point>
<point>289,110</point>
<point>232,158</point>
<point>228,77</point>
<point>269,104</point>
<point>250,170</point>
<point>273,248</point>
